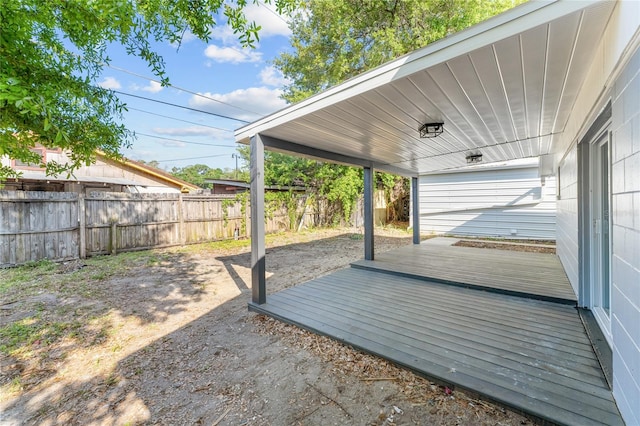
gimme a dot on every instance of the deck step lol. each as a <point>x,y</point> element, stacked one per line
<point>530,275</point>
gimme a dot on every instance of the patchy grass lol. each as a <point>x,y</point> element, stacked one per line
<point>17,277</point>
<point>19,337</point>
<point>57,301</point>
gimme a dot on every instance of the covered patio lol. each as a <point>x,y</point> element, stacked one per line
<point>502,343</point>
<point>503,326</point>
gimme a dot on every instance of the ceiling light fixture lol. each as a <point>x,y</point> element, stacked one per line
<point>431,130</point>
<point>474,157</point>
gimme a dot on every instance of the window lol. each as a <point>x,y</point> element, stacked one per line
<point>42,152</point>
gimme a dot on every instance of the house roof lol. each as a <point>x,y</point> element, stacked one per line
<point>503,88</point>
<point>156,173</point>
<point>247,185</point>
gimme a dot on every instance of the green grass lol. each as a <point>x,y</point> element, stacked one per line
<point>13,277</point>
<point>18,336</point>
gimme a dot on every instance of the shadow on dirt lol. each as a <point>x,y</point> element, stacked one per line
<point>180,346</point>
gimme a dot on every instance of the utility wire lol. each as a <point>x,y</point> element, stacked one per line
<point>178,119</point>
<point>209,98</point>
<point>274,12</point>
<point>180,106</point>
<point>183,141</point>
<point>192,158</point>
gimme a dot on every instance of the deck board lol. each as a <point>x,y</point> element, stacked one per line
<point>531,355</point>
<point>532,275</point>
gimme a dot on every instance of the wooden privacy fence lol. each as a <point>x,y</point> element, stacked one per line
<point>64,226</point>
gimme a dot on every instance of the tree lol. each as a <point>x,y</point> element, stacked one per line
<point>52,52</point>
<point>197,173</point>
<point>335,40</point>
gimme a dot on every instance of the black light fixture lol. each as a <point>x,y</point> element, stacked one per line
<point>474,157</point>
<point>431,130</point>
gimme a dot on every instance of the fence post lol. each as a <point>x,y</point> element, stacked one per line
<point>82,226</point>
<point>114,238</point>
<point>247,218</point>
<point>182,233</point>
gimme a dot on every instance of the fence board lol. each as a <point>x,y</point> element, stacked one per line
<point>37,225</point>
<point>62,226</point>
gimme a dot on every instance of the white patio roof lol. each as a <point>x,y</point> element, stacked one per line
<point>504,87</point>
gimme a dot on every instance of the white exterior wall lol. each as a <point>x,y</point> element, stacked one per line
<point>625,270</point>
<point>492,202</point>
<point>567,217</point>
<point>613,76</point>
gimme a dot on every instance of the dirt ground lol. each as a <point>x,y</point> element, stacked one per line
<point>535,246</point>
<point>164,337</point>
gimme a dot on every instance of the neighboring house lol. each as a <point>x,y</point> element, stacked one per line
<point>507,199</point>
<point>232,187</point>
<point>104,175</point>
<point>559,80</point>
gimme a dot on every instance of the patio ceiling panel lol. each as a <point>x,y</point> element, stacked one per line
<point>397,111</point>
<point>587,37</point>
<point>465,72</point>
<point>504,87</point>
<point>508,56</point>
<point>533,66</point>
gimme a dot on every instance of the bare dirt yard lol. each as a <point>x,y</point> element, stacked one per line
<point>164,337</point>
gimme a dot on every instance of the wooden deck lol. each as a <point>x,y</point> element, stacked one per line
<point>531,355</point>
<point>533,275</point>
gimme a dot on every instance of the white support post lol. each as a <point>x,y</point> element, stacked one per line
<point>415,209</point>
<point>368,214</point>
<point>258,269</point>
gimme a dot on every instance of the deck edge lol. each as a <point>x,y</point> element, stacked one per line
<point>364,265</point>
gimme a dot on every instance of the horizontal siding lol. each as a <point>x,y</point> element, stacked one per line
<point>494,203</point>
<point>567,217</point>
<point>625,271</point>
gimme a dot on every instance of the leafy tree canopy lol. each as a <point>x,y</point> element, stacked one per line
<point>334,40</point>
<point>197,173</point>
<point>52,52</point>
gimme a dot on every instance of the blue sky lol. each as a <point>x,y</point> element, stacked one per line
<point>223,78</point>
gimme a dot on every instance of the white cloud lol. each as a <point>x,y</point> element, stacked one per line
<point>110,83</point>
<point>232,54</point>
<point>261,100</point>
<point>273,77</point>
<point>152,87</point>
<point>190,131</point>
<point>186,38</point>
<point>266,17</point>
<point>225,34</point>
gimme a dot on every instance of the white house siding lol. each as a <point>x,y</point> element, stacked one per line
<point>491,202</point>
<point>613,76</point>
<point>567,217</point>
<point>625,271</point>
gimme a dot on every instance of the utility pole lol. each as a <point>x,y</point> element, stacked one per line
<point>236,156</point>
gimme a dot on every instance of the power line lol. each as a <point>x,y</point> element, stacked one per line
<point>274,12</point>
<point>179,119</point>
<point>209,98</point>
<point>180,106</point>
<point>192,158</point>
<point>183,141</point>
